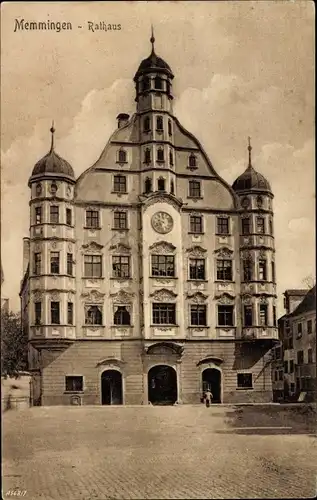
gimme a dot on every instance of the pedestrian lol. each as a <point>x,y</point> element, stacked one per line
<point>208,397</point>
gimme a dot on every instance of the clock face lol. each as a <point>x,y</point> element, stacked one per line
<point>162,222</point>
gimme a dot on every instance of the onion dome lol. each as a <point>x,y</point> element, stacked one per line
<point>153,63</point>
<point>251,180</point>
<point>52,165</point>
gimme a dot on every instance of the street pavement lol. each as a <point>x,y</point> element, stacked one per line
<point>150,452</point>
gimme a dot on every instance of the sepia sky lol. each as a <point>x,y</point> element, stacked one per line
<point>241,68</point>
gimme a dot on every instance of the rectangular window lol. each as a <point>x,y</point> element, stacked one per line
<point>247,270</point>
<point>309,326</point>
<point>159,123</point>
<point>120,220</point>
<point>310,356</point>
<point>92,265</point>
<point>54,214</point>
<point>300,357</point>
<point>70,313</point>
<point>222,225</point>
<point>299,330</point>
<point>194,189</point>
<point>262,270</point>
<point>271,226</point>
<point>225,315</point>
<point>163,265</point>
<point>224,269</point>
<point>248,315</point>
<point>274,316</point>
<point>164,314</point>
<point>280,375</point>
<point>38,312</point>
<point>169,127</point>
<point>275,376</point>
<point>38,215</point>
<point>291,366</point>
<point>196,224</point>
<point>74,383</point>
<point>92,218</point>
<point>120,266</point>
<point>122,316</point>
<point>273,271</point>
<point>260,225</point>
<point>68,216</point>
<point>120,184</point>
<point>198,315</point>
<point>37,263</point>
<point>292,387</point>
<point>55,313</point>
<point>263,314</point>
<point>70,264</point>
<point>285,366</point>
<point>246,226</point>
<point>54,262</point>
<point>197,269</point>
<point>244,380</point>
<point>290,343</point>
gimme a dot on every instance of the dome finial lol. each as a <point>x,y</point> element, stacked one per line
<point>152,39</point>
<point>249,149</point>
<point>52,130</point>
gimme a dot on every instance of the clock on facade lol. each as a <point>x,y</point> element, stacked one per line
<point>162,222</point>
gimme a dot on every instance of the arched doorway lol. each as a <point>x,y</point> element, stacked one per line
<point>212,381</point>
<point>111,387</point>
<point>162,385</point>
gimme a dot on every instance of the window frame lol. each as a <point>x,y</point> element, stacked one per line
<point>69,264</point>
<point>200,310</point>
<point>120,184</point>
<point>221,312</point>
<point>37,263</point>
<point>260,228</point>
<point>194,188</point>
<point>161,184</point>
<point>170,312</point>
<point>146,121</point>
<point>38,312</point>
<point>38,215</point>
<point>159,123</point>
<point>247,265</point>
<point>73,387</point>
<point>223,229</point>
<point>246,226</point>
<point>70,313</point>
<point>119,273</point>
<point>262,270</point>
<point>92,219</point>
<point>160,155</point>
<point>120,158</point>
<point>224,270</point>
<point>192,161</point>
<point>161,263</point>
<point>120,219</point>
<point>309,328</point>
<point>57,311</point>
<point>55,261</point>
<point>244,379</point>
<point>97,311</point>
<point>263,319</point>
<point>54,214</point>
<point>69,218</point>
<point>196,224</point>
<point>248,308</point>
<point>120,317</point>
<point>92,257</point>
<point>196,268</point>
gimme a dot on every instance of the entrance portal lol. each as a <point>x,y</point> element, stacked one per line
<point>111,387</point>
<point>212,381</point>
<point>162,384</point>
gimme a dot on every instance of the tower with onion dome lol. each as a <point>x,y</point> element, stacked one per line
<point>51,256</point>
<point>257,254</point>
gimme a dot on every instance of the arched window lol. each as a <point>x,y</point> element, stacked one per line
<point>169,127</point>
<point>146,83</point>
<point>159,123</point>
<point>93,315</point>
<point>172,187</point>
<point>160,154</point>
<point>147,124</point>
<point>158,82</point>
<point>161,184</point>
<point>148,185</point>
<point>122,156</point>
<point>147,156</point>
<point>171,158</point>
<point>192,160</point>
<point>121,316</point>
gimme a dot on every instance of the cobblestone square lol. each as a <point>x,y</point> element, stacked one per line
<point>100,453</point>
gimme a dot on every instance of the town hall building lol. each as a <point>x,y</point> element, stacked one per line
<point>149,278</point>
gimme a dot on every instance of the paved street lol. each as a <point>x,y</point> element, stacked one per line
<point>157,452</point>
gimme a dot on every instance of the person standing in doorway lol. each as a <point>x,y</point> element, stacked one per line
<point>208,397</point>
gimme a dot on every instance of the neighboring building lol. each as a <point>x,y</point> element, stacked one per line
<point>150,278</point>
<point>296,364</point>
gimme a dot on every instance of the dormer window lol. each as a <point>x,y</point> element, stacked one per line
<point>147,156</point>
<point>192,161</point>
<point>146,83</point>
<point>161,184</point>
<point>148,185</point>
<point>147,124</point>
<point>158,83</point>
<point>159,123</point>
<point>160,155</point>
<point>122,156</point>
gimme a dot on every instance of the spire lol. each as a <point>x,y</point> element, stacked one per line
<point>52,130</point>
<point>152,39</point>
<point>249,149</point>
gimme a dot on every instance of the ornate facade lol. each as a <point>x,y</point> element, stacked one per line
<point>150,278</point>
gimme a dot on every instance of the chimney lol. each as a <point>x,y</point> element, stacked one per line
<point>123,119</point>
<point>26,254</point>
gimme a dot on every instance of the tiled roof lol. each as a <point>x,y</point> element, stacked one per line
<point>307,304</point>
